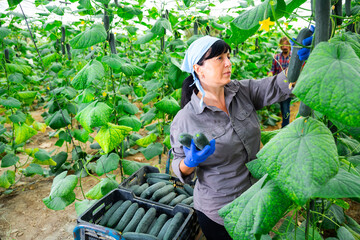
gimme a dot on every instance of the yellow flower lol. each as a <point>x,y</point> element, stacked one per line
<point>104,94</point>
<point>92,48</point>
<point>333,7</point>
<point>286,24</point>
<point>82,22</point>
<point>48,88</point>
<point>265,24</point>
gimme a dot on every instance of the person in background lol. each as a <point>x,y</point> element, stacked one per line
<point>280,62</point>
<point>224,110</point>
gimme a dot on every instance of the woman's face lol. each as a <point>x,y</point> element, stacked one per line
<point>215,71</point>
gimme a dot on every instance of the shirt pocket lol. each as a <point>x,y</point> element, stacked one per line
<point>244,112</point>
<point>213,132</point>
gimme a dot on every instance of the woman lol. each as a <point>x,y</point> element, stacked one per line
<point>225,111</point>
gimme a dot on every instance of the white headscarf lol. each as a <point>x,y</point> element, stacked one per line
<point>193,54</point>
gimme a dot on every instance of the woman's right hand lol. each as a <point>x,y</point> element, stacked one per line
<point>194,157</point>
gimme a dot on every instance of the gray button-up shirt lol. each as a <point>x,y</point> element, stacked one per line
<point>224,176</point>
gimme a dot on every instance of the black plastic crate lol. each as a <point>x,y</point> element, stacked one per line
<point>92,216</point>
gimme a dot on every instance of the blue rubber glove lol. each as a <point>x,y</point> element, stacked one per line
<point>304,53</point>
<point>194,157</point>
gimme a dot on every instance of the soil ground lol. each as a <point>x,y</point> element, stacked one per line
<point>23,215</point>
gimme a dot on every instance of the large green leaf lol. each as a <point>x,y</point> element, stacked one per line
<point>91,36</point>
<point>247,23</point>
<point>10,102</point>
<point>42,157</point>
<point>168,105</point>
<point>83,205</point>
<point>18,117</point>
<point>147,140</point>
<point>27,96</point>
<point>59,119</point>
<point>176,76</point>
<point>344,234</point>
<point>49,59</point>
<point>111,135</point>
<point>145,38</point>
<point>107,163</point>
<point>7,179</point>
<point>91,72</point>
<point>33,169</point>
<point>131,70</point>
<point>23,132</point>
<point>4,32</point>
<point>9,160</point>
<point>94,115</point>
<point>62,192</point>
<point>130,121</point>
<point>342,185</point>
<point>267,135</point>
<point>13,3</point>
<point>153,150</point>
<point>102,188</point>
<point>127,12</point>
<point>301,158</point>
<point>114,61</point>
<point>56,9</point>
<point>20,68</point>
<point>160,25</point>
<point>249,214</point>
<point>130,167</point>
<point>291,5</point>
<point>330,82</point>
<point>347,38</point>
<point>81,135</point>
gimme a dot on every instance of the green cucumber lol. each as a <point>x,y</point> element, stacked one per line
<point>159,223</point>
<point>178,199</point>
<point>188,200</point>
<point>162,192</point>
<point>146,221</point>
<point>181,191</point>
<point>131,226</point>
<point>141,189</point>
<point>348,8</point>
<point>152,224</point>
<point>304,110</point>
<point>109,212</point>
<point>295,63</point>
<point>152,181</point>
<point>7,55</point>
<point>150,190</point>
<point>167,198</point>
<point>133,187</point>
<point>112,43</point>
<point>106,21</point>
<point>188,189</point>
<point>322,19</point>
<point>164,176</point>
<point>185,139</point>
<point>63,34</point>
<point>68,50</point>
<point>138,236</point>
<point>115,217</point>
<point>174,226</point>
<point>164,229</point>
<point>125,219</point>
<point>338,12</point>
<point>200,140</point>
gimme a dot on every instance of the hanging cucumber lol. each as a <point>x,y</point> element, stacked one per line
<point>322,19</point>
<point>338,12</point>
<point>304,110</point>
<point>106,21</point>
<point>63,34</point>
<point>348,7</point>
<point>68,51</point>
<point>7,55</point>
<point>112,43</point>
<point>295,63</point>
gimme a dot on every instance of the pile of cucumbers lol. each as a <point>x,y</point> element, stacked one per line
<point>160,188</point>
<point>135,222</point>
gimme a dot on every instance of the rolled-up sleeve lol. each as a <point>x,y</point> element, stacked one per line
<point>177,150</point>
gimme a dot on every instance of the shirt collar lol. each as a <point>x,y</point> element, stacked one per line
<point>230,91</point>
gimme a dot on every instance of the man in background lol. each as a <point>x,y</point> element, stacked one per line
<point>281,62</point>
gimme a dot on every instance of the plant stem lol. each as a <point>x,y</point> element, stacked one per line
<point>114,91</point>
<point>81,188</point>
